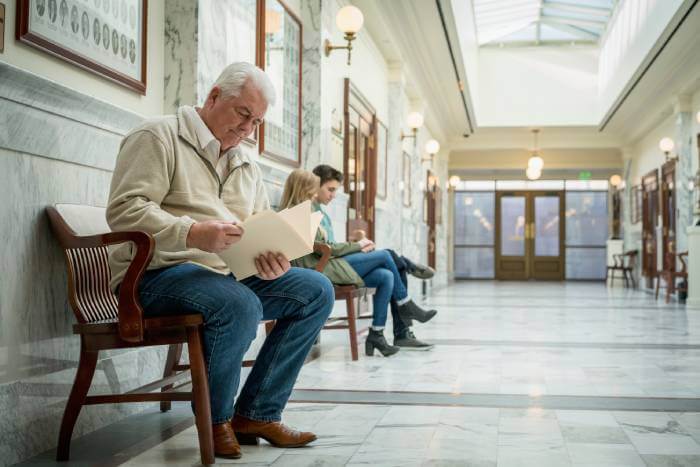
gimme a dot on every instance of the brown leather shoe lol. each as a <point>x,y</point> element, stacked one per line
<point>248,431</point>
<point>225,443</point>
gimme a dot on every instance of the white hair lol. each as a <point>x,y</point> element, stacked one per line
<point>237,74</point>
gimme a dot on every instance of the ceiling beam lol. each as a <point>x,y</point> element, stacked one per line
<point>585,35</point>
<point>588,10</point>
<point>574,22</point>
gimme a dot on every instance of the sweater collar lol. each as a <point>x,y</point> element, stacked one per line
<point>187,130</point>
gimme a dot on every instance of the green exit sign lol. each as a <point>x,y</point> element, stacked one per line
<point>584,175</point>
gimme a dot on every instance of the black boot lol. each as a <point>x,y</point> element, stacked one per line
<point>410,310</point>
<point>376,340</point>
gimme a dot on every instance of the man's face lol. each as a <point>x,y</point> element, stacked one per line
<point>232,119</point>
<point>327,192</point>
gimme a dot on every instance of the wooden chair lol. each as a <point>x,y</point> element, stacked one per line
<point>348,293</point>
<point>107,322</point>
<point>671,276</point>
<point>626,263</point>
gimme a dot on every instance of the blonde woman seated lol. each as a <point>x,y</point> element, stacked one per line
<point>355,263</point>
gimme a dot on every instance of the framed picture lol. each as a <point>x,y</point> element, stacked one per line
<point>406,178</point>
<point>382,151</point>
<point>102,36</point>
<point>280,57</point>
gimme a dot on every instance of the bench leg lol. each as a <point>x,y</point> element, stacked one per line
<point>352,326</point>
<point>200,393</point>
<point>81,385</point>
<point>174,355</point>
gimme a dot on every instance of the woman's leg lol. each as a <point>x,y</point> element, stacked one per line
<point>383,281</point>
<point>364,263</point>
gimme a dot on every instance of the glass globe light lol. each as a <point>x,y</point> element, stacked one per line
<point>454,181</point>
<point>432,147</point>
<point>666,144</point>
<point>536,162</point>
<point>615,180</point>
<point>349,19</point>
<point>532,173</point>
<point>414,120</point>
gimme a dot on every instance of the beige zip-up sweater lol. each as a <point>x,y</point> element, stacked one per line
<point>163,183</point>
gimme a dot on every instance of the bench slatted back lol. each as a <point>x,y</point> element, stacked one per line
<point>88,267</point>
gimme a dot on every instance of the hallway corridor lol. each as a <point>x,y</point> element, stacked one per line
<point>522,374</point>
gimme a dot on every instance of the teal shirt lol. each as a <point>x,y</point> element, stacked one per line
<point>325,222</point>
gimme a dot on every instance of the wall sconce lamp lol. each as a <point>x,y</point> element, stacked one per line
<point>414,121</point>
<point>453,182</point>
<point>432,147</point>
<point>666,145</point>
<point>349,20</point>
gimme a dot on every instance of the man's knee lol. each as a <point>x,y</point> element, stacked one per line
<point>242,310</point>
<point>323,291</point>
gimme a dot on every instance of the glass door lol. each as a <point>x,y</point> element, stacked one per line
<point>546,233</point>
<point>512,230</point>
<point>529,235</point>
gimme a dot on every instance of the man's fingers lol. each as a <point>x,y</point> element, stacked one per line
<point>232,229</point>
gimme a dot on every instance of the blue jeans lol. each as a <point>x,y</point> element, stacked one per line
<point>377,269</point>
<point>404,266</point>
<point>300,301</point>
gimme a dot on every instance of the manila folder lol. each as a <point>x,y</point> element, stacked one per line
<point>290,232</point>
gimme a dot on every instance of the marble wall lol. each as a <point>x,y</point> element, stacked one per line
<point>56,145</point>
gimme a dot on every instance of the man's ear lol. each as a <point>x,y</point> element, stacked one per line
<point>214,95</point>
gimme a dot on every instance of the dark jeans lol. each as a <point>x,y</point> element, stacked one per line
<point>300,301</point>
<point>378,270</point>
<point>404,266</point>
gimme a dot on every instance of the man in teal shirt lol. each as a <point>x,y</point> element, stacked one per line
<point>330,182</point>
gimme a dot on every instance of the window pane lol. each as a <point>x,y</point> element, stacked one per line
<point>474,263</point>
<point>586,218</point>
<point>585,263</point>
<point>512,225</point>
<point>547,226</point>
<point>586,185</point>
<point>474,218</point>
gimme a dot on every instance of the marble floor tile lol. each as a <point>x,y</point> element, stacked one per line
<point>594,454</point>
<point>494,339</point>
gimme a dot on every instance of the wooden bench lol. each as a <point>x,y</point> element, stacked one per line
<point>349,293</point>
<point>109,322</point>
<point>626,263</point>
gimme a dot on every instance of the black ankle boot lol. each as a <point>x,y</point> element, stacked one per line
<point>410,310</point>
<point>376,340</point>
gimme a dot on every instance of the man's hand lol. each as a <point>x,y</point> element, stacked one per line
<point>271,266</point>
<point>213,236</point>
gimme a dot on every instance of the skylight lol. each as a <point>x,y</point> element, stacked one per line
<point>535,22</point>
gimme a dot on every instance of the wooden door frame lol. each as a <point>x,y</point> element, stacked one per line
<point>533,259</point>
<point>431,221</point>
<point>668,216</point>
<point>353,98</point>
<point>498,272</point>
<point>650,195</point>
<point>529,259</point>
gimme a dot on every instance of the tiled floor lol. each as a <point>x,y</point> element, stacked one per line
<point>489,393</point>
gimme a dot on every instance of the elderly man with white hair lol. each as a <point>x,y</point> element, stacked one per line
<point>183,179</point>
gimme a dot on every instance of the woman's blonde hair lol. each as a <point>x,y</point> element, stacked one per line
<point>301,185</point>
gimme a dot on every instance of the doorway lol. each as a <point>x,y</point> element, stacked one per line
<point>668,215</point>
<point>359,160</point>
<point>650,214</point>
<point>529,235</point>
